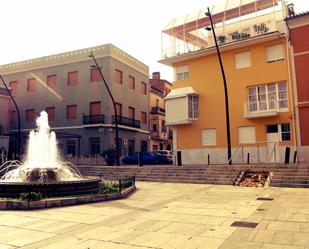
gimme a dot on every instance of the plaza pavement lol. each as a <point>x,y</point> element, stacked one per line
<point>165,215</point>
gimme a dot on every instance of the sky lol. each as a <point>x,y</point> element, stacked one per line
<point>36,28</point>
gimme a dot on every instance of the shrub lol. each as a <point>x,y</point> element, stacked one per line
<point>109,155</point>
<point>31,196</point>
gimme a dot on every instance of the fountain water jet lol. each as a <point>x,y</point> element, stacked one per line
<point>43,167</point>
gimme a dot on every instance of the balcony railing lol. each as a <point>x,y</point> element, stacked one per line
<point>127,122</point>
<point>93,119</point>
<point>159,135</point>
<point>261,109</point>
<point>157,110</point>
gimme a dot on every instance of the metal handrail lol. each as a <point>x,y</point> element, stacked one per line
<point>241,145</point>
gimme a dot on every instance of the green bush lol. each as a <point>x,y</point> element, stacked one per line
<point>110,156</point>
<point>31,196</point>
<point>109,187</point>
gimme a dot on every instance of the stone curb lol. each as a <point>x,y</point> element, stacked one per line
<point>62,202</point>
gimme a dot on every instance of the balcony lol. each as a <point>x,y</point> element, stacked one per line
<point>264,109</point>
<point>157,110</point>
<point>127,122</point>
<point>187,34</point>
<point>158,135</point>
<point>93,119</point>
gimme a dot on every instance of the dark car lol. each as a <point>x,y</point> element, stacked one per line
<point>148,158</point>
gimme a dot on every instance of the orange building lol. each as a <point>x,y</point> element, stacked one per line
<point>160,135</point>
<point>253,41</point>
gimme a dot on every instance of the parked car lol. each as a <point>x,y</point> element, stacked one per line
<point>148,158</point>
<point>166,153</point>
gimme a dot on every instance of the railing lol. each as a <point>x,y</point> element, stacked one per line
<point>85,160</point>
<point>127,122</point>
<point>184,42</point>
<point>258,147</point>
<point>93,119</point>
<point>157,110</point>
<point>158,135</point>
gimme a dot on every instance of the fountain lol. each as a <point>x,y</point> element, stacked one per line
<point>42,170</point>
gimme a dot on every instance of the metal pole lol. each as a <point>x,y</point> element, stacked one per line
<point>18,117</point>
<point>115,109</point>
<point>228,133</point>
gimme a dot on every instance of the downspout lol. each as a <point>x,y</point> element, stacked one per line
<point>294,103</point>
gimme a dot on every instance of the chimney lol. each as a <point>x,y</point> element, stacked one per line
<point>156,75</point>
<point>290,8</point>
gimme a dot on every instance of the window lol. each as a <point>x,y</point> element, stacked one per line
<point>71,145</point>
<point>119,109</point>
<point>267,97</point>
<point>246,135</point>
<point>31,85</point>
<point>285,132</point>
<point>275,53</point>
<point>71,111</point>
<point>182,73</point>
<point>163,127</point>
<point>131,112</point>
<point>154,124</point>
<point>95,108</point>
<point>209,137</point>
<point>143,117</point>
<point>51,113</point>
<point>243,60</point>
<point>118,76</point>
<point>51,81</point>
<point>12,118</point>
<point>94,146</point>
<point>30,115</point>
<point>143,88</point>
<point>72,78</point>
<point>13,86</point>
<point>193,106</point>
<point>95,75</point>
<point>131,82</point>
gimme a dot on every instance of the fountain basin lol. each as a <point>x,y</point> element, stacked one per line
<point>50,189</point>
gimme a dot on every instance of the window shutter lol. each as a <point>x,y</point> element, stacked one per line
<point>243,60</point>
<point>275,53</point>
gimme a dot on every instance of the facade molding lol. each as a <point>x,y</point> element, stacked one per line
<point>108,50</point>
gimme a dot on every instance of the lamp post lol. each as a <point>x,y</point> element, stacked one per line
<point>114,104</point>
<point>227,114</point>
<point>18,117</point>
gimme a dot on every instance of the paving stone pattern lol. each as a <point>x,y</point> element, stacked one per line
<point>168,215</point>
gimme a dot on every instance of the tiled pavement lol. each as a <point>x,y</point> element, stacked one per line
<point>166,215</point>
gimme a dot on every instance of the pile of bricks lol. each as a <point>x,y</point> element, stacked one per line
<point>254,179</point>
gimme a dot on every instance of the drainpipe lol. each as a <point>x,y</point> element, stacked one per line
<point>294,101</point>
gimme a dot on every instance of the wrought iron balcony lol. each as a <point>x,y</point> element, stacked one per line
<point>157,110</point>
<point>93,119</point>
<point>127,122</point>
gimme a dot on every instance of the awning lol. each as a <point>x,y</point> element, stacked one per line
<point>181,92</point>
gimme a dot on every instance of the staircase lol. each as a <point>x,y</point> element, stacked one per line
<point>215,174</point>
<point>295,176</point>
<point>282,175</point>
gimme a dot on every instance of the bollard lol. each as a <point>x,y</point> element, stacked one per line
<point>295,156</point>
<point>248,158</point>
<point>140,158</point>
<point>287,155</point>
<point>179,162</point>
<point>208,159</point>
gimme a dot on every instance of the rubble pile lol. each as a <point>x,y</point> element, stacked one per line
<point>254,179</point>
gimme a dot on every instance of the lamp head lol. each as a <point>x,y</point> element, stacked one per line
<point>208,28</point>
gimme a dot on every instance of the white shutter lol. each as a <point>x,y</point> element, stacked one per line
<point>246,134</point>
<point>243,60</point>
<point>209,137</point>
<point>275,53</point>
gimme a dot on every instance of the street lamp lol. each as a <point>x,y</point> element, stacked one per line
<point>114,104</point>
<point>227,114</point>
<point>18,117</point>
